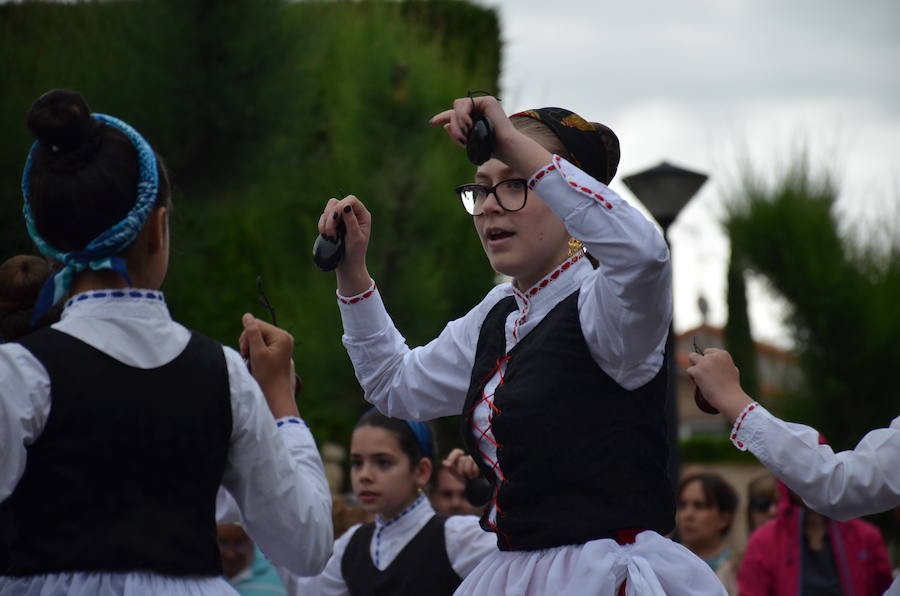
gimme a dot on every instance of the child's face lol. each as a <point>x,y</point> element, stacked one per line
<point>526,244</point>
<point>383,478</point>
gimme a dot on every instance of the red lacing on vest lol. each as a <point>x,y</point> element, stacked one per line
<point>483,432</point>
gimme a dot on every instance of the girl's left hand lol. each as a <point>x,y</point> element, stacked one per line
<point>462,466</point>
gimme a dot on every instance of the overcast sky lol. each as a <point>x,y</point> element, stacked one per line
<point>700,83</point>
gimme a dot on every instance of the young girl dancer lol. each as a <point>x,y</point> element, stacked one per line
<point>558,374</point>
<point>408,549</point>
<point>118,424</point>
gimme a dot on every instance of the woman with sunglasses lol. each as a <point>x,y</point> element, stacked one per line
<point>558,374</point>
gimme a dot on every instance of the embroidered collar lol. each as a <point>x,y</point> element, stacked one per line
<point>417,504</point>
<point>114,303</point>
<point>421,508</point>
<point>561,281</point>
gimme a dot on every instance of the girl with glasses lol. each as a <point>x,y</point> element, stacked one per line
<point>558,374</point>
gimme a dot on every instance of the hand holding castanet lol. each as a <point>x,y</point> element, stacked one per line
<point>699,400</point>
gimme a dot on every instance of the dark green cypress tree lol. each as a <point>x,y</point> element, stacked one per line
<point>738,336</point>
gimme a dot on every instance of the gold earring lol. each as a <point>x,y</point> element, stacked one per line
<point>575,246</point>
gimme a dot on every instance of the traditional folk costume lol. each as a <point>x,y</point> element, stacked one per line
<point>118,425</point>
<point>562,390</point>
<point>416,552</point>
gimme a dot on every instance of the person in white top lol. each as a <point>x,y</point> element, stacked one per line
<point>118,424</point>
<point>841,485</point>
<point>408,549</point>
<point>558,374</point>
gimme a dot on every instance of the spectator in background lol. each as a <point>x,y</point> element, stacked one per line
<point>21,279</point>
<point>705,507</point>
<point>244,565</point>
<point>448,494</point>
<point>762,501</point>
<point>804,552</point>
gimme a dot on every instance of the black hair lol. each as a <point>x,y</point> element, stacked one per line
<point>409,444</point>
<point>21,280</point>
<point>717,492</point>
<point>84,174</point>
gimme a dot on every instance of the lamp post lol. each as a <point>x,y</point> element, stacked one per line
<point>665,190</point>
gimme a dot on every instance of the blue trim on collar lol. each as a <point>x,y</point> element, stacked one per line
<point>381,526</point>
<point>147,294</point>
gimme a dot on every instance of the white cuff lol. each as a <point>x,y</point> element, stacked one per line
<point>738,437</point>
<point>363,315</point>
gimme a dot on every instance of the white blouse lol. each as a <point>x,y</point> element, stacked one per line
<point>625,308</point>
<point>274,471</point>
<point>467,544</point>
<point>841,485</point>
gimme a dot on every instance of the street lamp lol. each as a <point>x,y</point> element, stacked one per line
<point>665,190</point>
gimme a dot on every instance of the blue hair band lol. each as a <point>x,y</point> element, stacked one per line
<point>423,437</point>
<point>102,252</point>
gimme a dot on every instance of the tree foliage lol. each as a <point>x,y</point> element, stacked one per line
<point>263,110</point>
<point>738,336</point>
<point>843,300</point>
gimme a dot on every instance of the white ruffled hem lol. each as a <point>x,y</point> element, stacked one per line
<point>112,584</point>
<point>653,565</point>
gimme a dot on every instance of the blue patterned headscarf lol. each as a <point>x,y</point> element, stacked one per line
<point>102,252</point>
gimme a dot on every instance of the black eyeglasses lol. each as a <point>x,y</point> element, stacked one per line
<point>510,195</point>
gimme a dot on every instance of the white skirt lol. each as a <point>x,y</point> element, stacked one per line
<point>652,565</point>
<point>112,584</point>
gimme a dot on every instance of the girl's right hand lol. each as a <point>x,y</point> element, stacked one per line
<point>718,379</point>
<point>517,150</point>
<point>268,350</point>
<point>352,276</point>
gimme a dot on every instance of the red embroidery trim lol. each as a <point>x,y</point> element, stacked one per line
<point>537,288</point>
<point>584,189</point>
<point>360,298</point>
<point>540,174</point>
<point>521,319</point>
<point>740,420</point>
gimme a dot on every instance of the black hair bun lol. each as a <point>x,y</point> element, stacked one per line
<point>61,120</point>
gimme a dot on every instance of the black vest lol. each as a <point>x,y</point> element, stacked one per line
<point>421,567</point>
<point>582,456</point>
<point>124,475</point>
